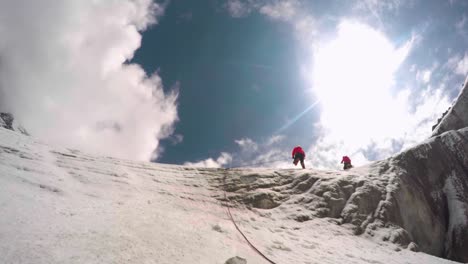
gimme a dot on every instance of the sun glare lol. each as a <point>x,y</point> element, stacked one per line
<point>352,77</point>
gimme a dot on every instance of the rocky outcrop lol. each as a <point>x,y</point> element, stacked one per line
<point>427,190</point>
<point>7,121</point>
<point>431,198</point>
<point>433,179</point>
<point>417,200</point>
<point>236,260</point>
<point>457,115</point>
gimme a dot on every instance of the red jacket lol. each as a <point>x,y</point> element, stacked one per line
<point>298,150</point>
<point>346,159</point>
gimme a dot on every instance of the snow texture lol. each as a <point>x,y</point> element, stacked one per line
<point>64,206</point>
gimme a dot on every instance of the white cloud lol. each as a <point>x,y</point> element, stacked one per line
<point>462,66</point>
<point>289,11</point>
<point>271,157</point>
<point>252,154</point>
<point>247,144</point>
<point>239,8</point>
<point>412,128</point>
<point>360,117</point>
<point>460,25</point>
<point>452,62</point>
<point>176,139</point>
<point>379,5</point>
<point>223,159</point>
<point>292,12</point>
<point>283,10</point>
<point>378,9</point>
<point>63,74</point>
<point>424,76</point>
<point>275,139</point>
<point>457,64</point>
<point>352,77</point>
<point>327,152</point>
<point>266,153</point>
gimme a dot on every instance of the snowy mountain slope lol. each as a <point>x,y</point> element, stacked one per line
<point>416,200</point>
<point>63,206</point>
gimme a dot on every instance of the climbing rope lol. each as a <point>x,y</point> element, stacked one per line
<point>237,227</point>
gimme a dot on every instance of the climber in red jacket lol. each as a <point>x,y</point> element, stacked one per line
<point>347,163</point>
<point>298,154</point>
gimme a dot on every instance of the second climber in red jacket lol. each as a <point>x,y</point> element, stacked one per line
<point>298,154</point>
<point>347,163</point>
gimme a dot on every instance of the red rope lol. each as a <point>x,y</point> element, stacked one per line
<point>237,227</point>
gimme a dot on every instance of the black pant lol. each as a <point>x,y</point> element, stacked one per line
<point>299,157</point>
<point>347,165</point>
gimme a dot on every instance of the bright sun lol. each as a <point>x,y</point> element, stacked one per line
<point>352,78</point>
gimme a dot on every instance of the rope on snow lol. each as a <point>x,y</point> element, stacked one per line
<point>237,227</point>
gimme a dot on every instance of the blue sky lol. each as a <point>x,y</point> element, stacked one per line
<point>243,70</point>
<point>237,78</point>
<point>232,82</point>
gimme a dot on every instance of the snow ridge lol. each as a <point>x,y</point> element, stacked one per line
<point>64,206</point>
<point>457,116</point>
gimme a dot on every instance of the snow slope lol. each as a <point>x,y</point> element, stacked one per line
<point>64,206</point>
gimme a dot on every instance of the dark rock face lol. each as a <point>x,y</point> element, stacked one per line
<point>236,260</point>
<point>431,201</point>
<point>457,115</point>
<point>7,121</point>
